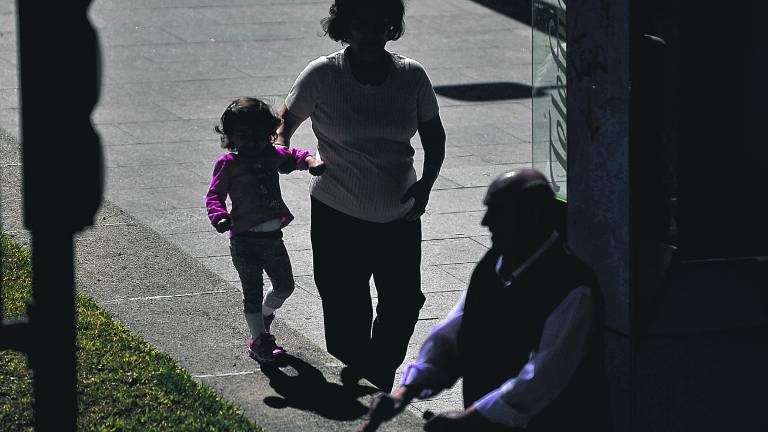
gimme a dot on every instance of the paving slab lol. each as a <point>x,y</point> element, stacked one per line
<point>168,131</point>
<point>453,225</point>
<point>150,176</point>
<point>180,152</point>
<point>468,199</point>
<point>10,120</point>
<point>8,79</point>
<point>461,271</point>
<point>479,175</point>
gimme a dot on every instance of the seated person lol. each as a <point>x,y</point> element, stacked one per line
<point>526,336</point>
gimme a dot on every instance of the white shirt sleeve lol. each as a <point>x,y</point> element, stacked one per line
<point>549,370</point>
<point>436,367</point>
<point>427,106</point>
<point>303,96</point>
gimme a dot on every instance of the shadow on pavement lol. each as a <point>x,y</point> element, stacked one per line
<point>302,386</point>
<point>492,91</point>
<point>519,10</point>
<point>522,11</point>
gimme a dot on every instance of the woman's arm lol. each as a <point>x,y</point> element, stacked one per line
<point>432,136</point>
<point>302,98</point>
<point>291,122</point>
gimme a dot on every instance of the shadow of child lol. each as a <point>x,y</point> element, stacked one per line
<point>308,390</point>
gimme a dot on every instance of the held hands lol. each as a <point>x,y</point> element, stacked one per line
<point>419,191</point>
<point>223,225</point>
<point>316,166</point>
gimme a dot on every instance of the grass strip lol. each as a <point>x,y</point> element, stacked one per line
<point>123,382</point>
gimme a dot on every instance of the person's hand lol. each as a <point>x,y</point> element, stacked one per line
<point>419,191</point>
<point>223,225</point>
<point>316,166</point>
<point>460,421</point>
<point>384,407</point>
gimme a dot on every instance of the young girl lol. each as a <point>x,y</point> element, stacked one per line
<point>248,174</point>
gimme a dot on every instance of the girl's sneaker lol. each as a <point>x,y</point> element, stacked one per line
<point>264,349</point>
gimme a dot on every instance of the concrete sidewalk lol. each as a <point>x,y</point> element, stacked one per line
<point>170,67</point>
<point>123,264</point>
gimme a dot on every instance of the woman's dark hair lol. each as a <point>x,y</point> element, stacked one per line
<point>336,24</point>
<point>251,113</point>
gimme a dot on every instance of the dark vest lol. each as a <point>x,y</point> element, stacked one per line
<point>501,326</point>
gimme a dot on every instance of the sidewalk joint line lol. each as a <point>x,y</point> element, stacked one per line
<point>478,242</point>
<point>169,234</point>
<point>143,143</point>
<point>185,42</point>
<point>149,164</point>
<point>227,374</point>
<point>116,224</point>
<point>456,212</point>
<point>446,291</point>
<point>169,296</point>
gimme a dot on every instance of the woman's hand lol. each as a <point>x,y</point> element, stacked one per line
<point>419,191</point>
<point>316,166</point>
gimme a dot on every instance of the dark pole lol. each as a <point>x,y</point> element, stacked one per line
<point>52,353</point>
<point>59,70</point>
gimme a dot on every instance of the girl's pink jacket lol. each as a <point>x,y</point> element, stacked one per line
<point>253,187</point>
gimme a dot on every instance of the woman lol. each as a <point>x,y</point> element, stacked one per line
<point>366,104</point>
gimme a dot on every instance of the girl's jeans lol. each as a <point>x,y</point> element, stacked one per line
<point>252,254</point>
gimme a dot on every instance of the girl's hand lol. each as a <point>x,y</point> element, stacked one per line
<point>223,225</point>
<point>316,166</point>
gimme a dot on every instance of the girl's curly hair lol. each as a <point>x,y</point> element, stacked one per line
<point>251,113</point>
<point>336,24</point>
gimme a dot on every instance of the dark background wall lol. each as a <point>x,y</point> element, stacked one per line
<point>666,171</point>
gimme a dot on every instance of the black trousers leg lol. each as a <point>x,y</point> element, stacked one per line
<point>342,270</point>
<point>397,273</point>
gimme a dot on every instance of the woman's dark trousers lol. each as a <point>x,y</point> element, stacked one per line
<point>346,251</point>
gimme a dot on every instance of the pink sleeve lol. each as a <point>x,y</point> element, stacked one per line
<point>292,159</point>
<point>215,200</point>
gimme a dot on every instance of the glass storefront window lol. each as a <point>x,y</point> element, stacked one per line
<point>550,136</point>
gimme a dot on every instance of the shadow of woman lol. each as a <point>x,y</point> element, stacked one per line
<point>308,390</point>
